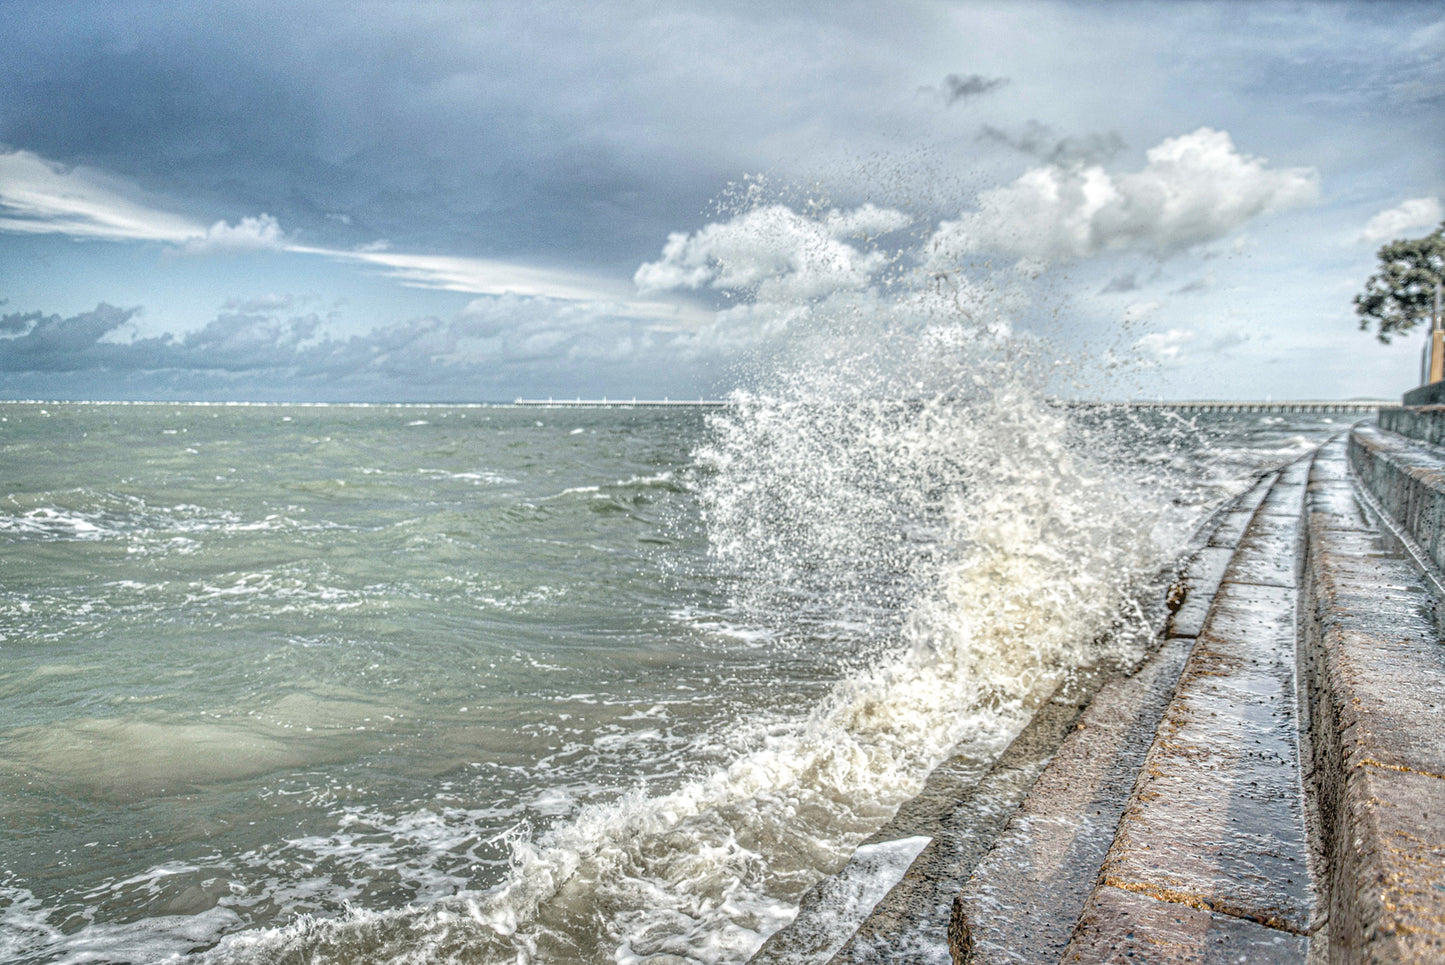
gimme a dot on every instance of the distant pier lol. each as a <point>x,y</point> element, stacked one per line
<point>1265,406</point>
<point>1361,406</point>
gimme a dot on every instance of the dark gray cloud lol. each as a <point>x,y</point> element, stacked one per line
<point>18,322</point>
<point>232,342</point>
<point>49,343</point>
<point>1126,282</point>
<point>1041,141</point>
<point>550,133</point>
<point>960,87</point>
<point>495,346</point>
<point>1195,287</point>
<point>1227,341</point>
<point>450,146</point>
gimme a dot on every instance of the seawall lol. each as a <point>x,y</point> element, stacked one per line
<point>1267,784</point>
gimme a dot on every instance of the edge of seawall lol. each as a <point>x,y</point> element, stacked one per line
<point>1303,636</point>
<point>963,808</point>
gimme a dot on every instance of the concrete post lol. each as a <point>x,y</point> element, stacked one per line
<point>1437,340</point>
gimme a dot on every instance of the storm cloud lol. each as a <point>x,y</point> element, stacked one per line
<point>576,133</point>
<point>493,345</point>
<point>1043,142</point>
<point>1127,282</point>
<point>49,343</point>
<point>469,191</point>
<point>959,87</point>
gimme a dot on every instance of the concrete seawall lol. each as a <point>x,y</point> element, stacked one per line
<point>1266,785</point>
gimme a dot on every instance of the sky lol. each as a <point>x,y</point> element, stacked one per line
<point>461,201</point>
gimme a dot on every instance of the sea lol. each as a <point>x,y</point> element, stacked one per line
<point>502,683</point>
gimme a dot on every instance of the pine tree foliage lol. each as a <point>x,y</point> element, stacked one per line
<point>1401,294</point>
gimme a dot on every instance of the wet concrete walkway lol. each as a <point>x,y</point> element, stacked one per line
<point>1211,858</point>
<point>1192,770</point>
<point>1268,785</point>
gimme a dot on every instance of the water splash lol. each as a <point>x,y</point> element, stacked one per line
<point>893,484</point>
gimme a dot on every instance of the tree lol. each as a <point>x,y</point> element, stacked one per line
<point>1401,294</point>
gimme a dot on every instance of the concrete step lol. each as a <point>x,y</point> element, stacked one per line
<point>1024,897</point>
<point>1134,763</point>
<point>910,923</point>
<point>1211,858</point>
<point>1207,862</point>
<point>1217,819</point>
<point>962,805</point>
<point>953,820</point>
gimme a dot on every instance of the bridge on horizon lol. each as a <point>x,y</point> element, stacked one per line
<point>1254,405</point>
<point>1282,406</point>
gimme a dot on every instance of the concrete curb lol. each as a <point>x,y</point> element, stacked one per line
<point>1424,423</point>
<point>1376,673</point>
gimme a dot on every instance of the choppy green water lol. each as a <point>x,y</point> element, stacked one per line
<point>265,662</point>
<point>251,644</point>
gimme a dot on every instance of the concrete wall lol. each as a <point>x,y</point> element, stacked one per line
<point>1432,394</point>
<point>1406,480</point>
<point>1421,423</point>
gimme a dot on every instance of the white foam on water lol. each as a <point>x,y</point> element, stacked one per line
<point>666,480</point>
<point>28,934</point>
<point>478,478</point>
<point>844,900</point>
<point>90,516</point>
<point>52,523</point>
<point>663,480</point>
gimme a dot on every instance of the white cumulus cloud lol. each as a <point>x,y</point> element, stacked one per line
<point>1165,346</point>
<point>261,233</point>
<point>773,252</point>
<point>1195,188</point>
<point>1405,216</point>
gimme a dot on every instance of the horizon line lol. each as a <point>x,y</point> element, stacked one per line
<point>607,401</point>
